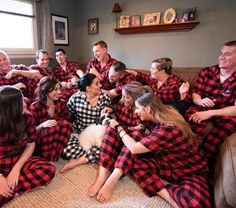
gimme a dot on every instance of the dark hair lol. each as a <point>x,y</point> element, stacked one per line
<point>102,43</point>
<point>40,51</point>
<point>118,67</point>
<point>230,43</point>
<point>60,50</point>
<point>11,114</point>
<point>47,84</point>
<point>85,80</point>
<point>166,64</point>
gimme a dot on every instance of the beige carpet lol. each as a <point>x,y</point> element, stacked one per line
<point>69,190</point>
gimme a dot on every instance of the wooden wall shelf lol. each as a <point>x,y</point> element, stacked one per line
<point>182,26</point>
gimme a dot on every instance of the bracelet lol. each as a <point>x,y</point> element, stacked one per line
<point>120,130</point>
<point>123,135</point>
<point>116,127</point>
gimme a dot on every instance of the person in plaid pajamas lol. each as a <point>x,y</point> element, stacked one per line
<point>167,162</point>
<point>85,106</point>
<point>117,77</point>
<point>67,73</point>
<point>101,63</point>
<point>6,71</point>
<point>214,97</point>
<point>19,171</point>
<point>167,86</point>
<point>52,119</point>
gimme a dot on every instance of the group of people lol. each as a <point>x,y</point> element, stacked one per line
<point>157,135</point>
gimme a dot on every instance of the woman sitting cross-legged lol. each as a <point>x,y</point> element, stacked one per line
<point>19,172</point>
<point>167,162</point>
<point>52,119</point>
<point>85,106</point>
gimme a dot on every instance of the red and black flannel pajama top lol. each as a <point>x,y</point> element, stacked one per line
<point>223,94</point>
<point>169,90</point>
<point>51,141</point>
<point>35,172</point>
<point>65,76</point>
<point>177,160</point>
<point>94,63</point>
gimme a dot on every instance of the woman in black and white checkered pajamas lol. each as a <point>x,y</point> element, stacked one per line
<point>85,106</point>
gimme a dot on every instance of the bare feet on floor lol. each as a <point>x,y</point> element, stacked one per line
<point>106,192</point>
<point>69,165</point>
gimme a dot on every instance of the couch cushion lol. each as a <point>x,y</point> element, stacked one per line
<point>228,163</point>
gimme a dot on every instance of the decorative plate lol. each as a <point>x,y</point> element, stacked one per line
<point>169,16</point>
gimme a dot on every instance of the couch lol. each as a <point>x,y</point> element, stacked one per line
<point>69,189</point>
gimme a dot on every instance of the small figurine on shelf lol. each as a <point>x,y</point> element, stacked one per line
<point>189,14</point>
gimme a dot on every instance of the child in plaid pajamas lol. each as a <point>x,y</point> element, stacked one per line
<point>214,97</point>
<point>19,172</point>
<point>52,119</point>
<point>167,162</point>
<point>168,87</point>
<point>85,106</point>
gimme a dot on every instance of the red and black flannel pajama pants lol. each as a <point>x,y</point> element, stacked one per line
<point>187,191</point>
<point>35,172</point>
<point>223,127</point>
<point>51,141</point>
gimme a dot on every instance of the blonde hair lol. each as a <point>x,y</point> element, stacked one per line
<point>165,113</point>
<point>165,64</point>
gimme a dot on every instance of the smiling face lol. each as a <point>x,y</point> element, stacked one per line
<point>5,64</point>
<point>141,111</point>
<point>155,70</point>
<point>99,52</point>
<point>227,57</point>
<point>95,87</point>
<point>55,93</point>
<point>127,98</point>
<point>60,57</point>
<point>43,60</point>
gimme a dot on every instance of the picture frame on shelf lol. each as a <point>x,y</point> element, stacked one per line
<point>135,21</point>
<point>169,16</point>
<point>93,26</point>
<point>189,14</point>
<point>152,18</point>
<point>124,21</point>
<point>60,28</point>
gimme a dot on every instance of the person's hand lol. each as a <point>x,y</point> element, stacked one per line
<point>106,110</point>
<point>49,123</point>
<point>200,116</point>
<point>11,73</point>
<point>12,178</point>
<point>94,71</point>
<point>113,123</point>
<point>184,88</point>
<point>132,72</point>
<point>74,80</point>
<point>64,85</point>
<point>139,127</point>
<point>5,190</point>
<point>20,85</point>
<point>80,73</point>
<point>207,102</point>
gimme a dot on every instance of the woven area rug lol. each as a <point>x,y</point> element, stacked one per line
<point>69,190</point>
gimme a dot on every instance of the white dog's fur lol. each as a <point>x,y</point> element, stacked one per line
<point>92,135</point>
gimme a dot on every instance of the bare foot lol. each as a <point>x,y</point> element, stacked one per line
<point>69,165</point>
<point>105,192</point>
<point>102,177</point>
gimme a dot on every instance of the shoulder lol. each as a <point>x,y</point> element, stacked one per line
<point>211,70</point>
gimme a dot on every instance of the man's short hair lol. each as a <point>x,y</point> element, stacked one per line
<point>60,50</point>
<point>43,51</point>
<point>118,67</point>
<point>165,64</point>
<point>230,43</point>
<point>102,44</point>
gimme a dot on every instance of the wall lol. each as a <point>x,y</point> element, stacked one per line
<point>199,47</point>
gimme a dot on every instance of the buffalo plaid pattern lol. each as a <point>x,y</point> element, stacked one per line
<point>208,85</point>
<point>83,112</point>
<point>97,65</point>
<point>35,172</point>
<point>169,90</point>
<point>51,141</point>
<point>177,160</point>
<point>67,93</point>
<point>65,75</point>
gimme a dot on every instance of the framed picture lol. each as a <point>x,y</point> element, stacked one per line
<point>93,26</point>
<point>124,21</point>
<point>169,16</point>
<point>135,21</point>
<point>152,18</point>
<point>60,30</point>
<point>189,14</point>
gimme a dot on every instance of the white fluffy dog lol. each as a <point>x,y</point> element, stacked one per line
<point>93,134</point>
